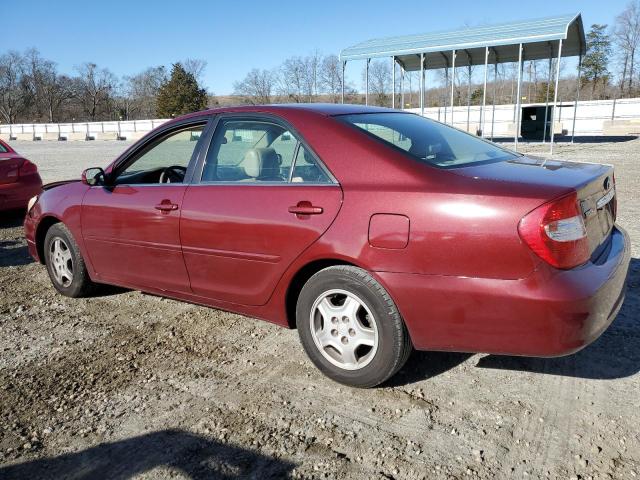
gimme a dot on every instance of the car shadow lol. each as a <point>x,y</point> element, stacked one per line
<point>14,253</point>
<point>425,365</point>
<point>12,218</point>
<point>616,354</point>
<point>194,456</point>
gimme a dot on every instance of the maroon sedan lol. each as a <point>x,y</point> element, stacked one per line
<point>370,230</point>
<point>19,179</point>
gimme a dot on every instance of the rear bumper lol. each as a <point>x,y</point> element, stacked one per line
<point>550,313</point>
<point>16,195</point>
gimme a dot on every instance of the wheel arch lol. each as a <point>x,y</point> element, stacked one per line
<point>41,232</point>
<point>301,277</point>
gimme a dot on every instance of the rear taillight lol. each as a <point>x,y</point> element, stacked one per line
<point>27,168</point>
<point>555,232</point>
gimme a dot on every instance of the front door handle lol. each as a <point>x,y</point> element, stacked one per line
<point>305,208</point>
<point>166,206</point>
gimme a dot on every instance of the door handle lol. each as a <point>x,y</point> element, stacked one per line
<point>166,206</point>
<point>305,208</point>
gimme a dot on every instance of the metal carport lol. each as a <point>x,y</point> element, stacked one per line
<point>545,38</point>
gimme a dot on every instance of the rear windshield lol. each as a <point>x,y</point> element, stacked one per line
<point>427,140</point>
<point>2,149</point>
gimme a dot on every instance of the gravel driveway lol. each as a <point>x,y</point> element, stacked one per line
<point>131,385</point>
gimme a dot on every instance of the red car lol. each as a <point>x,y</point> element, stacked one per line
<point>19,179</point>
<point>372,231</point>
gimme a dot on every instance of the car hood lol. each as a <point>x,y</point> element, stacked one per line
<point>51,185</point>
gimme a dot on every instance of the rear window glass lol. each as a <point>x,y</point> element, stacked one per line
<point>2,149</point>
<point>427,140</point>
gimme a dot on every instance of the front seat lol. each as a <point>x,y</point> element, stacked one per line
<point>262,164</point>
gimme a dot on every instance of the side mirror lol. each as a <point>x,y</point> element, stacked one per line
<point>93,176</point>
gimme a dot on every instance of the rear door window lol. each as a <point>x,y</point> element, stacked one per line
<point>259,151</point>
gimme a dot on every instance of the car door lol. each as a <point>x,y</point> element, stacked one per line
<point>262,198</point>
<point>131,226</point>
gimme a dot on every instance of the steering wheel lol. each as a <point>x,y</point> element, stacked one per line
<point>173,174</point>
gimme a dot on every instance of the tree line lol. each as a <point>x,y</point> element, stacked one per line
<point>32,90</point>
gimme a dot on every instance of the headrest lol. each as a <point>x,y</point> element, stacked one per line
<point>261,162</point>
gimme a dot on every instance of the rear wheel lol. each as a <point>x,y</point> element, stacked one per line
<point>350,327</point>
<point>66,267</point>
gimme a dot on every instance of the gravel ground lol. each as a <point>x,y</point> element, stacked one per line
<point>131,385</point>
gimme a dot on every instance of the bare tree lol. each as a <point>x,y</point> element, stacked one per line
<point>379,82</point>
<point>12,91</point>
<point>195,66</point>
<point>330,77</point>
<point>295,79</point>
<point>95,87</point>
<point>626,34</point>
<point>139,92</point>
<point>56,91</point>
<point>257,87</point>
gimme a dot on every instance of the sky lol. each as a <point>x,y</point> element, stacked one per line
<point>235,36</point>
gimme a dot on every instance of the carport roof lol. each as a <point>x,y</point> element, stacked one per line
<point>539,38</point>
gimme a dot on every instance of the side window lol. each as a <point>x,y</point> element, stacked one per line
<point>249,151</point>
<point>307,170</point>
<point>164,162</point>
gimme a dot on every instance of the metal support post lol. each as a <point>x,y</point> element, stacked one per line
<point>484,92</point>
<point>422,84</point>
<point>453,80</point>
<point>393,82</point>
<point>575,104</point>
<point>366,81</point>
<point>344,64</point>
<point>546,105</point>
<point>555,99</point>
<point>518,95</point>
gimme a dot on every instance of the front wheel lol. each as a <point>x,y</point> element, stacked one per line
<point>66,267</point>
<point>350,327</point>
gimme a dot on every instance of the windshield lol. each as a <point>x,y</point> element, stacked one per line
<point>427,140</point>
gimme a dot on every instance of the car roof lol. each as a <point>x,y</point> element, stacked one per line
<point>325,109</point>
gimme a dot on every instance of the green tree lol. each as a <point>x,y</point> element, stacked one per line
<point>596,60</point>
<point>180,94</point>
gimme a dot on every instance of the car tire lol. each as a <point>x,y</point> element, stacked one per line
<point>65,265</point>
<point>350,327</point>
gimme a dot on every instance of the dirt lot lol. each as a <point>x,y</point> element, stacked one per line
<point>130,385</point>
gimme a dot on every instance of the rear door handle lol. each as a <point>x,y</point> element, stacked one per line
<point>166,206</point>
<point>305,208</point>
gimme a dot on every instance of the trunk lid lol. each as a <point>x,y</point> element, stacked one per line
<point>549,179</point>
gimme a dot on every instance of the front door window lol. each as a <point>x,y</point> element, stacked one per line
<point>165,161</point>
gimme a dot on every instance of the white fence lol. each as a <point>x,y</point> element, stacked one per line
<point>591,119</point>
<point>118,130</point>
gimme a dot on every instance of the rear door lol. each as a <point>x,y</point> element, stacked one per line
<point>262,198</point>
<point>131,228</point>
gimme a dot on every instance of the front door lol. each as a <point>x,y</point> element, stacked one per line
<point>131,227</point>
<point>263,197</point>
